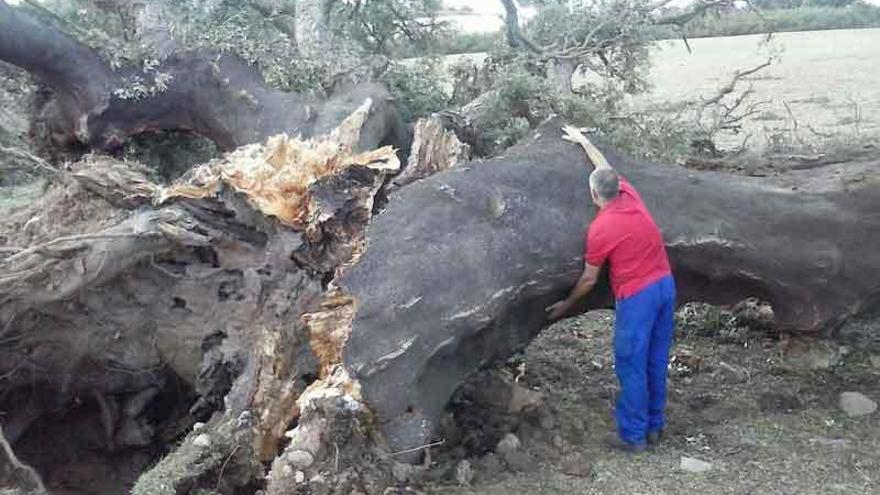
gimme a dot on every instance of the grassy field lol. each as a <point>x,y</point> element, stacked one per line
<point>830,79</point>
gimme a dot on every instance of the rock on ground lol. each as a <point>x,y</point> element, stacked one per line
<point>693,465</point>
<point>855,404</point>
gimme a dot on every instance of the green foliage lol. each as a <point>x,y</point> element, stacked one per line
<point>387,27</point>
<point>420,86</point>
<point>794,4</point>
<point>454,43</point>
<point>226,25</point>
<point>516,96</point>
<point>620,27</point>
<point>807,18</point>
<point>234,28</point>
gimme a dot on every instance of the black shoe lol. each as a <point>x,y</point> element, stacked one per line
<point>655,437</point>
<point>616,443</point>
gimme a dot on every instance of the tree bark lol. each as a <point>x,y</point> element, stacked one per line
<point>272,320</point>
<point>460,266</point>
<point>106,297</point>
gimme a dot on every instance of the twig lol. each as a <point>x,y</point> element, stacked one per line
<point>731,86</point>
<point>37,161</point>
<point>42,248</point>
<point>223,468</point>
<point>31,472</point>
<point>106,418</point>
<point>422,447</point>
<point>825,135</point>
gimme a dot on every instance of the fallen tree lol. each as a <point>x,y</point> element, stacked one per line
<point>254,307</point>
<point>214,94</point>
<point>260,296</point>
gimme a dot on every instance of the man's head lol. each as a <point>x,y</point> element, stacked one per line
<point>604,186</point>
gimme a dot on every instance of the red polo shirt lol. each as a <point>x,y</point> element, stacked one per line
<point>624,234</point>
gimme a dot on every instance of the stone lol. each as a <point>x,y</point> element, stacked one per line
<point>546,421</point>
<point>519,461</point>
<point>730,373</point>
<point>875,361</point>
<point>203,441</point>
<point>575,464</point>
<point>490,465</point>
<point>300,458</point>
<point>510,443</point>
<point>299,477</point>
<point>464,473</point>
<point>811,354</point>
<point>199,426</point>
<point>694,465</point>
<point>855,404</point>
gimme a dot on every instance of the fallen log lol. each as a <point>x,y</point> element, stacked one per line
<point>217,95</point>
<point>295,323</point>
<point>460,266</point>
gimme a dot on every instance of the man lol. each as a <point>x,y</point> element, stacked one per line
<point>624,234</point>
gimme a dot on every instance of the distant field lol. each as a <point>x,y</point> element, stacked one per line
<point>826,77</point>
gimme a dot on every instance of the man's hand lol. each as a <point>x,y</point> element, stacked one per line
<point>574,135</point>
<point>558,310</point>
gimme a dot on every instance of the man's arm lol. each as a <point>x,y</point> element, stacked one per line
<point>583,287</point>
<point>574,135</point>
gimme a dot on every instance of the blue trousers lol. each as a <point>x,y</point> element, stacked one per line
<point>642,338</point>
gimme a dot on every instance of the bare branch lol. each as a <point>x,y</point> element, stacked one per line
<point>35,483</point>
<point>731,86</point>
<point>514,34</point>
<point>697,9</point>
<point>38,162</point>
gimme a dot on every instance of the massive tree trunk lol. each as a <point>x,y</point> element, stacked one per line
<point>460,266</point>
<point>286,316</point>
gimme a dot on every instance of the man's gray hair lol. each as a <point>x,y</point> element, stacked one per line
<point>605,183</point>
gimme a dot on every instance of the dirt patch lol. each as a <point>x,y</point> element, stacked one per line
<point>763,425</point>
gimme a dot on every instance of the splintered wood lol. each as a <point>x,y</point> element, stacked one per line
<point>276,176</point>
